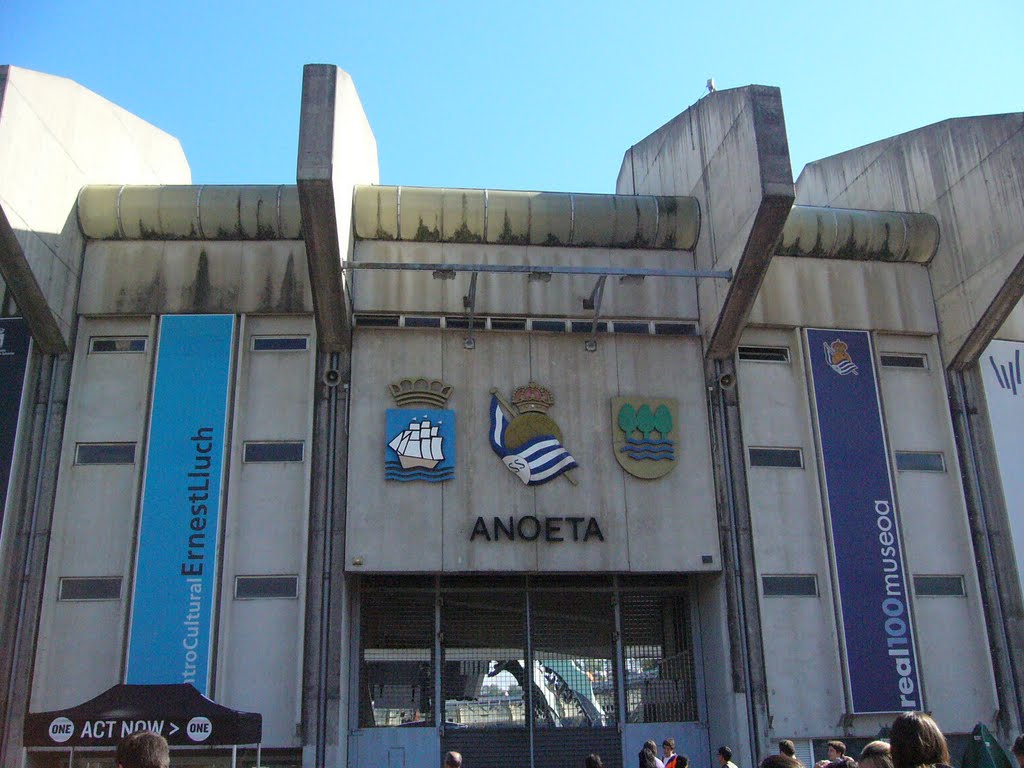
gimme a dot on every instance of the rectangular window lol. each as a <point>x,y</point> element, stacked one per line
<point>105,453</point>
<point>790,585</point>
<point>508,324</point>
<point>422,322</point>
<point>378,321</point>
<point>87,588</point>
<point>939,586</point>
<point>548,326</point>
<point>266,587</point>
<point>106,344</point>
<point>629,327</point>
<point>675,329</point>
<point>920,461</point>
<point>904,360</point>
<point>791,458</point>
<point>270,452</point>
<point>584,326</point>
<point>280,343</point>
<point>462,323</point>
<point>765,354</point>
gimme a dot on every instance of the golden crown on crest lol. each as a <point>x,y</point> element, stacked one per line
<point>532,398</point>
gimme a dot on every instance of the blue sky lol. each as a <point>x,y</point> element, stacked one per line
<point>520,95</point>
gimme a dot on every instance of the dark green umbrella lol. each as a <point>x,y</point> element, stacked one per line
<point>983,751</point>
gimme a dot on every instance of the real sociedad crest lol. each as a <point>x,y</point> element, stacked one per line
<point>838,358</point>
<point>420,441</point>
<point>646,435</point>
<point>526,439</point>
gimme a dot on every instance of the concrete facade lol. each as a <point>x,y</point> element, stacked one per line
<point>377,605</point>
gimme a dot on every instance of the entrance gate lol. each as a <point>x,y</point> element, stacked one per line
<point>525,671</point>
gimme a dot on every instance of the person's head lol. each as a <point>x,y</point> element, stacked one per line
<point>787,747</point>
<point>648,758</point>
<point>915,739</point>
<point>143,749</point>
<point>453,760</point>
<point>1018,750</point>
<point>682,761</point>
<point>593,761</point>
<point>668,746</point>
<point>836,750</point>
<point>724,755</point>
<point>875,755</point>
<point>780,761</point>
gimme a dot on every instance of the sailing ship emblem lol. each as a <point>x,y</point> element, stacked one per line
<point>526,439</point>
<point>420,441</point>
<point>645,435</point>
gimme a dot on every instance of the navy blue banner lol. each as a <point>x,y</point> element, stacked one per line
<point>14,343</point>
<point>880,656</point>
<point>176,565</point>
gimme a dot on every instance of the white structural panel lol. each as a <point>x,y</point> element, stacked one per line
<point>1004,392</point>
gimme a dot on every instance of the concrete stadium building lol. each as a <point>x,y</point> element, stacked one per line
<point>526,475</point>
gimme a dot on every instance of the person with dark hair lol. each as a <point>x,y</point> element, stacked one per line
<point>780,761</point>
<point>647,758</point>
<point>787,748</point>
<point>143,749</point>
<point>836,750</point>
<point>875,755</point>
<point>453,760</point>
<point>725,757</point>
<point>915,739</point>
<point>593,761</point>
<point>1018,750</point>
<point>651,747</point>
<point>668,752</point>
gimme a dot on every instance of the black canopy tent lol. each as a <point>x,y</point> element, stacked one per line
<point>179,713</point>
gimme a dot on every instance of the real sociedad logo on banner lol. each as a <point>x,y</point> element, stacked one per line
<point>1008,373</point>
<point>838,357</point>
<point>526,439</point>
<point>420,436</point>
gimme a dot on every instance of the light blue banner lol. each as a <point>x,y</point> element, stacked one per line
<point>176,564</point>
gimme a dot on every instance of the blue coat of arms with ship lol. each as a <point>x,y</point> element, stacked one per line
<point>420,441</point>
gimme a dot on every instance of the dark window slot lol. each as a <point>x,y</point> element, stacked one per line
<point>890,360</point>
<point>939,586</point>
<point>920,461</point>
<point>280,344</point>
<point>105,453</point>
<point>422,322</point>
<point>377,321</point>
<point>549,326</point>
<point>122,344</point>
<point>584,326</point>
<point>636,328</point>
<point>273,452</point>
<point>462,323</point>
<point>675,329</point>
<point>265,587</point>
<point>776,457</point>
<point>507,324</point>
<point>790,585</point>
<point>765,354</point>
<point>85,588</point>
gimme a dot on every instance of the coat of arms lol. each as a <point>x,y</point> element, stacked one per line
<point>420,435</point>
<point>645,435</point>
<point>526,439</point>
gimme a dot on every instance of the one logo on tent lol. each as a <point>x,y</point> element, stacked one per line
<point>838,358</point>
<point>61,729</point>
<point>199,728</point>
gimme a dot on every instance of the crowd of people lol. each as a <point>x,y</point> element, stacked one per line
<point>915,741</point>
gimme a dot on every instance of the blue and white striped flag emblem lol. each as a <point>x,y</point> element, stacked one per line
<point>538,460</point>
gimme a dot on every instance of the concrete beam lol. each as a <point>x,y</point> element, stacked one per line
<point>731,152</point>
<point>969,174</point>
<point>337,150</point>
<point>56,137</point>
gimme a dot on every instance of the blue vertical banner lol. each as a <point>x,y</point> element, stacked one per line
<point>176,562</point>
<point>14,344</point>
<point>880,656</point>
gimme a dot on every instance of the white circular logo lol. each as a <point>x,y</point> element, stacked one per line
<point>199,728</point>
<point>61,729</point>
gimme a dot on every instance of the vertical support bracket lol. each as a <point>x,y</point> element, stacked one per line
<point>469,303</point>
<point>594,303</point>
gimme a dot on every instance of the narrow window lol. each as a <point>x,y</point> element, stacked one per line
<point>790,585</point>
<point>508,324</point>
<point>920,461</point>
<point>765,354</point>
<point>98,588</point>
<point>584,326</point>
<point>105,453</point>
<point>904,360</point>
<point>266,587</point>
<point>675,329</point>
<point>776,457</point>
<point>628,327</point>
<point>378,321</point>
<point>108,344</point>
<point>272,452</point>
<point>280,343</point>
<point>422,322</point>
<point>548,326</point>
<point>457,322</point>
<point>939,586</point>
